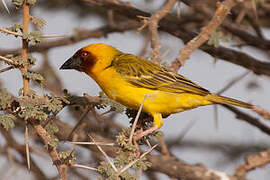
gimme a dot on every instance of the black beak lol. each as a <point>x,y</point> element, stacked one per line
<point>71,63</point>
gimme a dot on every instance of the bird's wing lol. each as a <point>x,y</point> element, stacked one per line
<point>145,74</point>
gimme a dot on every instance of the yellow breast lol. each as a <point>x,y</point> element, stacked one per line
<point>156,101</point>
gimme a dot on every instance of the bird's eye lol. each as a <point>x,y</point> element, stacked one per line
<point>84,54</point>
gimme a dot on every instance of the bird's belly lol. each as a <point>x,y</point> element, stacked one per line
<point>156,101</point>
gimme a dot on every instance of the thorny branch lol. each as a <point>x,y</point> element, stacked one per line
<point>79,35</point>
<point>24,69</point>
<point>173,27</point>
<point>153,28</point>
<point>253,161</point>
<point>160,163</point>
<point>220,14</point>
<point>158,21</point>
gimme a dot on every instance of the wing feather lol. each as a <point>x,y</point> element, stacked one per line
<point>145,74</point>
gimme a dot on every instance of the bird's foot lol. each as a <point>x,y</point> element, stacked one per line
<point>139,134</point>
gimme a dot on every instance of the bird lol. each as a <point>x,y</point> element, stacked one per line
<point>130,79</point>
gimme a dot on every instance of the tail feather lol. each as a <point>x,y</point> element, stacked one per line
<point>225,100</point>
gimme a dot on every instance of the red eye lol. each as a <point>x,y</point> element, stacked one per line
<point>84,54</point>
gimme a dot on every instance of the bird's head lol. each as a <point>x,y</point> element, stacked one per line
<point>92,58</point>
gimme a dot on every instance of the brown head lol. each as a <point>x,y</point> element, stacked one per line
<point>91,59</point>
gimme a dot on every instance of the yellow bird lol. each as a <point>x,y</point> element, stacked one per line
<point>127,79</point>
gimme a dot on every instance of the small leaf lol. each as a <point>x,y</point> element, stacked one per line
<point>5,99</point>
<point>38,21</point>
<point>215,37</point>
<point>105,169</point>
<point>115,106</point>
<point>31,2</point>
<point>7,120</point>
<point>18,3</point>
<point>33,76</point>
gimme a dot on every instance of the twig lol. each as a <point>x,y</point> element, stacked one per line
<point>160,163</point>
<point>62,168</point>
<point>181,136</point>
<point>76,37</point>
<point>53,35</point>
<point>173,27</point>
<point>42,36</point>
<point>24,69</point>
<point>93,143</point>
<point>11,32</point>
<point>104,153</point>
<point>262,112</point>
<point>83,167</point>
<point>111,20</point>
<point>6,69</point>
<point>5,5</point>
<point>153,28</point>
<point>220,14</point>
<point>249,119</point>
<point>216,115</point>
<point>133,162</point>
<point>11,142</point>
<point>26,18</point>
<point>26,137</point>
<point>9,61</point>
<point>79,122</point>
<point>233,82</point>
<point>92,99</point>
<point>253,161</point>
<point>164,148</point>
<point>136,120</point>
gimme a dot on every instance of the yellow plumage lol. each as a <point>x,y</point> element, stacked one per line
<point>127,79</point>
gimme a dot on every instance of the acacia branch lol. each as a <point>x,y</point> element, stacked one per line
<point>21,35</point>
<point>249,119</point>
<point>45,136</point>
<point>11,142</point>
<point>252,162</point>
<point>172,26</point>
<point>78,36</point>
<point>7,60</point>
<point>153,28</point>
<point>220,14</point>
<point>160,163</point>
<point>26,18</point>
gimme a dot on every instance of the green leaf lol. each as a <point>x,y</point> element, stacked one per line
<point>34,112</point>
<point>31,2</point>
<point>38,21</point>
<point>215,37</point>
<point>18,3</point>
<point>7,120</point>
<point>33,37</point>
<point>115,106</point>
<point>105,169</point>
<point>66,154</point>
<point>34,76</point>
<point>55,104</point>
<point>15,28</point>
<point>5,99</point>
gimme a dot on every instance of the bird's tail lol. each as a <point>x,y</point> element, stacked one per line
<point>225,100</point>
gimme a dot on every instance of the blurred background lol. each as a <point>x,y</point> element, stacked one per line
<point>213,137</point>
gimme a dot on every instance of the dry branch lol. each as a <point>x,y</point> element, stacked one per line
<point>153,28</point>
<point>249,119</point>
<point>253,161</point>
<point>172,26</point>
<point>62,168</point>
<point>80,35</point>
<point>220,14</point>
<point>160,163</point>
